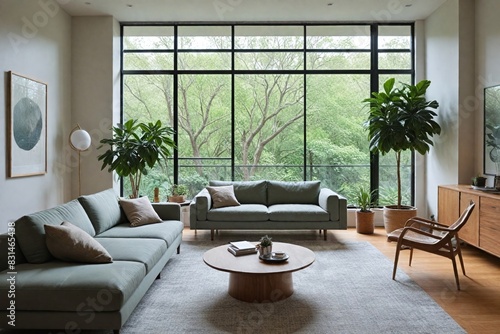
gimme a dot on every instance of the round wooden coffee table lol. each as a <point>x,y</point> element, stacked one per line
<point>254,280</point>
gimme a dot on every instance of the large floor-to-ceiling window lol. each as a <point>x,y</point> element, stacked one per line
<point>273,101</point>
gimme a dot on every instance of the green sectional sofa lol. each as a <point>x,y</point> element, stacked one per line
<point>266,205</point>
<point>72,296</point>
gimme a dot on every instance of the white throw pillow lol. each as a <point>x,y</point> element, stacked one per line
<point>223,196</point>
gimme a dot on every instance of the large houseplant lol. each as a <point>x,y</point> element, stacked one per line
<point>134,148</point>
<point>401,119</point>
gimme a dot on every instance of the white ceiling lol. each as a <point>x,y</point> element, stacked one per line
<point>254,10</point>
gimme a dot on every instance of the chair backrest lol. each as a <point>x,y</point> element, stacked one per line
<point>456,226</point>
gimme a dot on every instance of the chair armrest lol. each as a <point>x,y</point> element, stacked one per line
<point>424,221</point>
<point>418,231</point>
<point>334,204</point>
<point>168,211</point>
<point>430,224</point>
<point>199,207</point>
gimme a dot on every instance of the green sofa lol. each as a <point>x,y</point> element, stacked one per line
<point>51,294</point>
<point>273,205</point>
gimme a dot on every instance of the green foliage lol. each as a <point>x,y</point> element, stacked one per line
<point>401,119</point>
<point>364,199</point>
<point>136,147</point>
<point>269,128</point>
<point>178,190</point>
<point>265,241</point>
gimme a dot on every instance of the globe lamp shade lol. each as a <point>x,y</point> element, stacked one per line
<point>80,140</point>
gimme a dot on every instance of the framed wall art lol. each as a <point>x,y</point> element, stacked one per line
<point>492,130</point>
<point>27,126</point>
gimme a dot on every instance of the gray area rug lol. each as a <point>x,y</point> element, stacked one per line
<point>348,289</point>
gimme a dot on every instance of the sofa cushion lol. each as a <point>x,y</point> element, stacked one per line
<point>139,211</point>
<point>297,213</point>
<point>146,251</point>
<point>223,196</point>
<point>69,243</point>
<point>30,232</point>
<point>247,192</point>
<point>306,192</point>
<point>244,212</point>
<point>167,231</point>
<point>62,286</point>
<point>103,209</point>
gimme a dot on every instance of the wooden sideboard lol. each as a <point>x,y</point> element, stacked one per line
<point>483,228</point>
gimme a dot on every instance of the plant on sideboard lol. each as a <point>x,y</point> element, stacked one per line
<point>136,147</point>
<point>479,181</point>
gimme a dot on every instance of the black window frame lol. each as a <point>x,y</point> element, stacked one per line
<point>374,73</point>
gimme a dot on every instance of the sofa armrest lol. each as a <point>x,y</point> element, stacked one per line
<point>168,211</point>
<point>199,207</point>
<point>334,204</point>
<point>6,251</point>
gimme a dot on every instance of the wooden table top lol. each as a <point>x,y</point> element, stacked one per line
<point>299,257</point>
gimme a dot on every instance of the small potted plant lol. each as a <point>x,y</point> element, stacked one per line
<point>479,181</point>
<point>178,193</point>
<point>265,246</point>
<point>364,216</point>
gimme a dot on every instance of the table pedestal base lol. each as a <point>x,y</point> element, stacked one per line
<point>260,288</point>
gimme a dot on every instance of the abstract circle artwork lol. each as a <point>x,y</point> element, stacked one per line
<point>27,123</point>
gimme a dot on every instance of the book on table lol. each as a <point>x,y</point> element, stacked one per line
<point>238,248</point>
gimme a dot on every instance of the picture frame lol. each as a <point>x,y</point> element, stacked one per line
<point>27,126</point>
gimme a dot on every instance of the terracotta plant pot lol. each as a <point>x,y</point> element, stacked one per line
<point>364,222</point>
<point>177,199</point>
<point>395,218</point>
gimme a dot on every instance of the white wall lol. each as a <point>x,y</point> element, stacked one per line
<point>35,42</point>
<point>442,36</point>
<point>95,92</point>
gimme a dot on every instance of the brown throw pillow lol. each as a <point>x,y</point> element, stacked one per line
<point>223,196</point>
<point>139,211</point>
<point>70,243</point>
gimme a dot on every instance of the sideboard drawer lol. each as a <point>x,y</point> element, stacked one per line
<point>483,228</point>
<point>490,225</point>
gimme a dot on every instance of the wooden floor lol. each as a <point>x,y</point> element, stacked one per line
<point>476,307</point>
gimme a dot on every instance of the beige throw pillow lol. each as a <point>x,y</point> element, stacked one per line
<point>70,243</point>
<point>139,211</point>
<point>223,196</point>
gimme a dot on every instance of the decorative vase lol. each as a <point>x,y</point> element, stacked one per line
<point>497,182</point>
<point>364,222</point>
<point>265,251</point>
<point>156,198</point>
<point>395,218</point>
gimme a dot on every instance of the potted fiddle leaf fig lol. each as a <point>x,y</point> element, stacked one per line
<point>401,119</point>
<point>135,148</point>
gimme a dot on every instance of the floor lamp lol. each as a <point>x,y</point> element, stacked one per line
<point>79,140</point>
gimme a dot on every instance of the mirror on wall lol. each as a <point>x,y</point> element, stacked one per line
<point>492,130</point>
